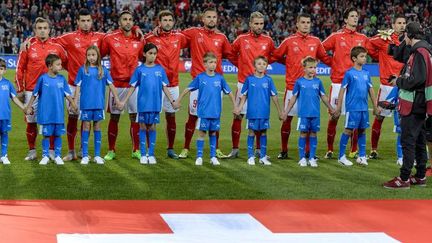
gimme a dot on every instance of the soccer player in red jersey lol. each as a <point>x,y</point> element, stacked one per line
<point>388,68</point>
<point>31,64</point>
<point>169,44</point>
<point>202,40</point>
<point>125,50</point>
<point>291,52</point>
<point>340,44</point>
<point>245,49</point>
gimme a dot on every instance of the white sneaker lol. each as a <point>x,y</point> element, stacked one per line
<point>58,160</point>
<point>399,161</point>
<point>251,161</point>
<point>5,160</point>
<point>343,161</point>
<point>198,161</point>
<point>265,161</point>
<point>313,163</point>
<point>362,161</point>
<point>302,162</point>
<point>214,161</point>
<point>31,155</point>
<point>51,154</point>
<point>99,160</point>
<point>144,160</point>
<point>44,160</point>
<point>85,160</point>
<point>152,160</point>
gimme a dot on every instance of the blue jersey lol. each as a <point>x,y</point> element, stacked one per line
<point>209,94</point>
<point>357,84</point>
<point>149,81</point>
<point>51,92</point>
<point>7,91</point>
<point>258,91</point>
<point>308,93</point>
<point>92,96</point>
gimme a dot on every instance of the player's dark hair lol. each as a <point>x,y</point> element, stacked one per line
<point>164,13</point>
<point>50,59</point>
<point>398,16</point>
<point>357,50</point>
<point>209,9</point>
<point>348,11</point>
<point>303,15</point>
<point>2,63</point>
<point>83,12</point>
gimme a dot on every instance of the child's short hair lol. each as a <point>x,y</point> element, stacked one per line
<point>149,46</point>
<point>260,58</point>
<point>355,51</point>
<point>2,63</point>
<point>209,56</point>
<point>307,60</point>
<point>50,59</point>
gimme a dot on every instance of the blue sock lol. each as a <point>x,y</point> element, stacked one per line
<point>399,146</point>
<point>342,144</point>
<point>45,146</point>
<point>302,145</point>
<point>143,141</point>
<point>84,142</point>
<point>4,143</point>
<point>57,146</point>
<point>250,145</point>
<point>362,144</point>
<point>152,141</point>
<point>212,142</point>
<point>97,142</point>
<point>313,146</point>
<point>200,148</point>
<point>263,141</point>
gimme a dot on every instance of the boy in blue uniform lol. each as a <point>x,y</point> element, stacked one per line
<point>90,84</point>
<point>51,88</point>
<point>7,91</point>
<point>357,84</point>
<point>151,80</point>
<point>308,91</point>
<point>210,85</point>
<point>258,89</point>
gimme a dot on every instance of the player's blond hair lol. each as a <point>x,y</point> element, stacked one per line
<point>256,15</point>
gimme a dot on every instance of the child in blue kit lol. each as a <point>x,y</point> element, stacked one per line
<point>90,91</point>
<point>308,91</point>
<point>210,85</point>
<point>7,91</point>
<point>258,89</point>
<point>357,84</point>
<point>151,80</point>
<point>51,88</point>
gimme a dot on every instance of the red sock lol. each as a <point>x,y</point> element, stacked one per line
<point>285,133</point>
<point>376,132</point>
<point>71,132</point>
<point>235,133</point>
<point>189,130</point>
<point>354,140</point>
<point>52,143</point>
<point>31,133</point>
<point>257,139</point>
<point>307,147</point>
<point>171,130</point>
<point>112,134</point>
<point>134,133</point>
<point>331,133</point>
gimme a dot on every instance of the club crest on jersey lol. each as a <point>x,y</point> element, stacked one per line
<point>217,83</point>
<point>296,49</point>
<point>77,45</point>
<point>264,47</point>
<point>135,45</point>
<point>343,43</point>
<point>158,74</point>
<point>247,46</point>
<point>365,76</point>
<point>60,85</point>
<point>5,87</point>
<point>216,43</point>
<point>34,55</point>
<point>315,86</point>
<point>265,85</point>
<point>117,44</point>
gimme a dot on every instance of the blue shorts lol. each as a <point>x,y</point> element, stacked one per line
<point>92,115</point>
<point>148,117</point>
<point>308,124</point>
<point>209,124</point>
<point>5,126</point>
<point>357,119</point>
<point>258,124</point>
<point>52,130</point>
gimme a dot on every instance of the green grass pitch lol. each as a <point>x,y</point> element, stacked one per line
<point>125,178</point>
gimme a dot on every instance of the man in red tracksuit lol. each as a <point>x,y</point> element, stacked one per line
<point>169,44</point>
<point>291,52</point>
<point>31,64</point>
<point>340,44</point>
<point>245,49</point>
<point>125,50</point>
<point>202,40</point>
<point>388,68</point>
